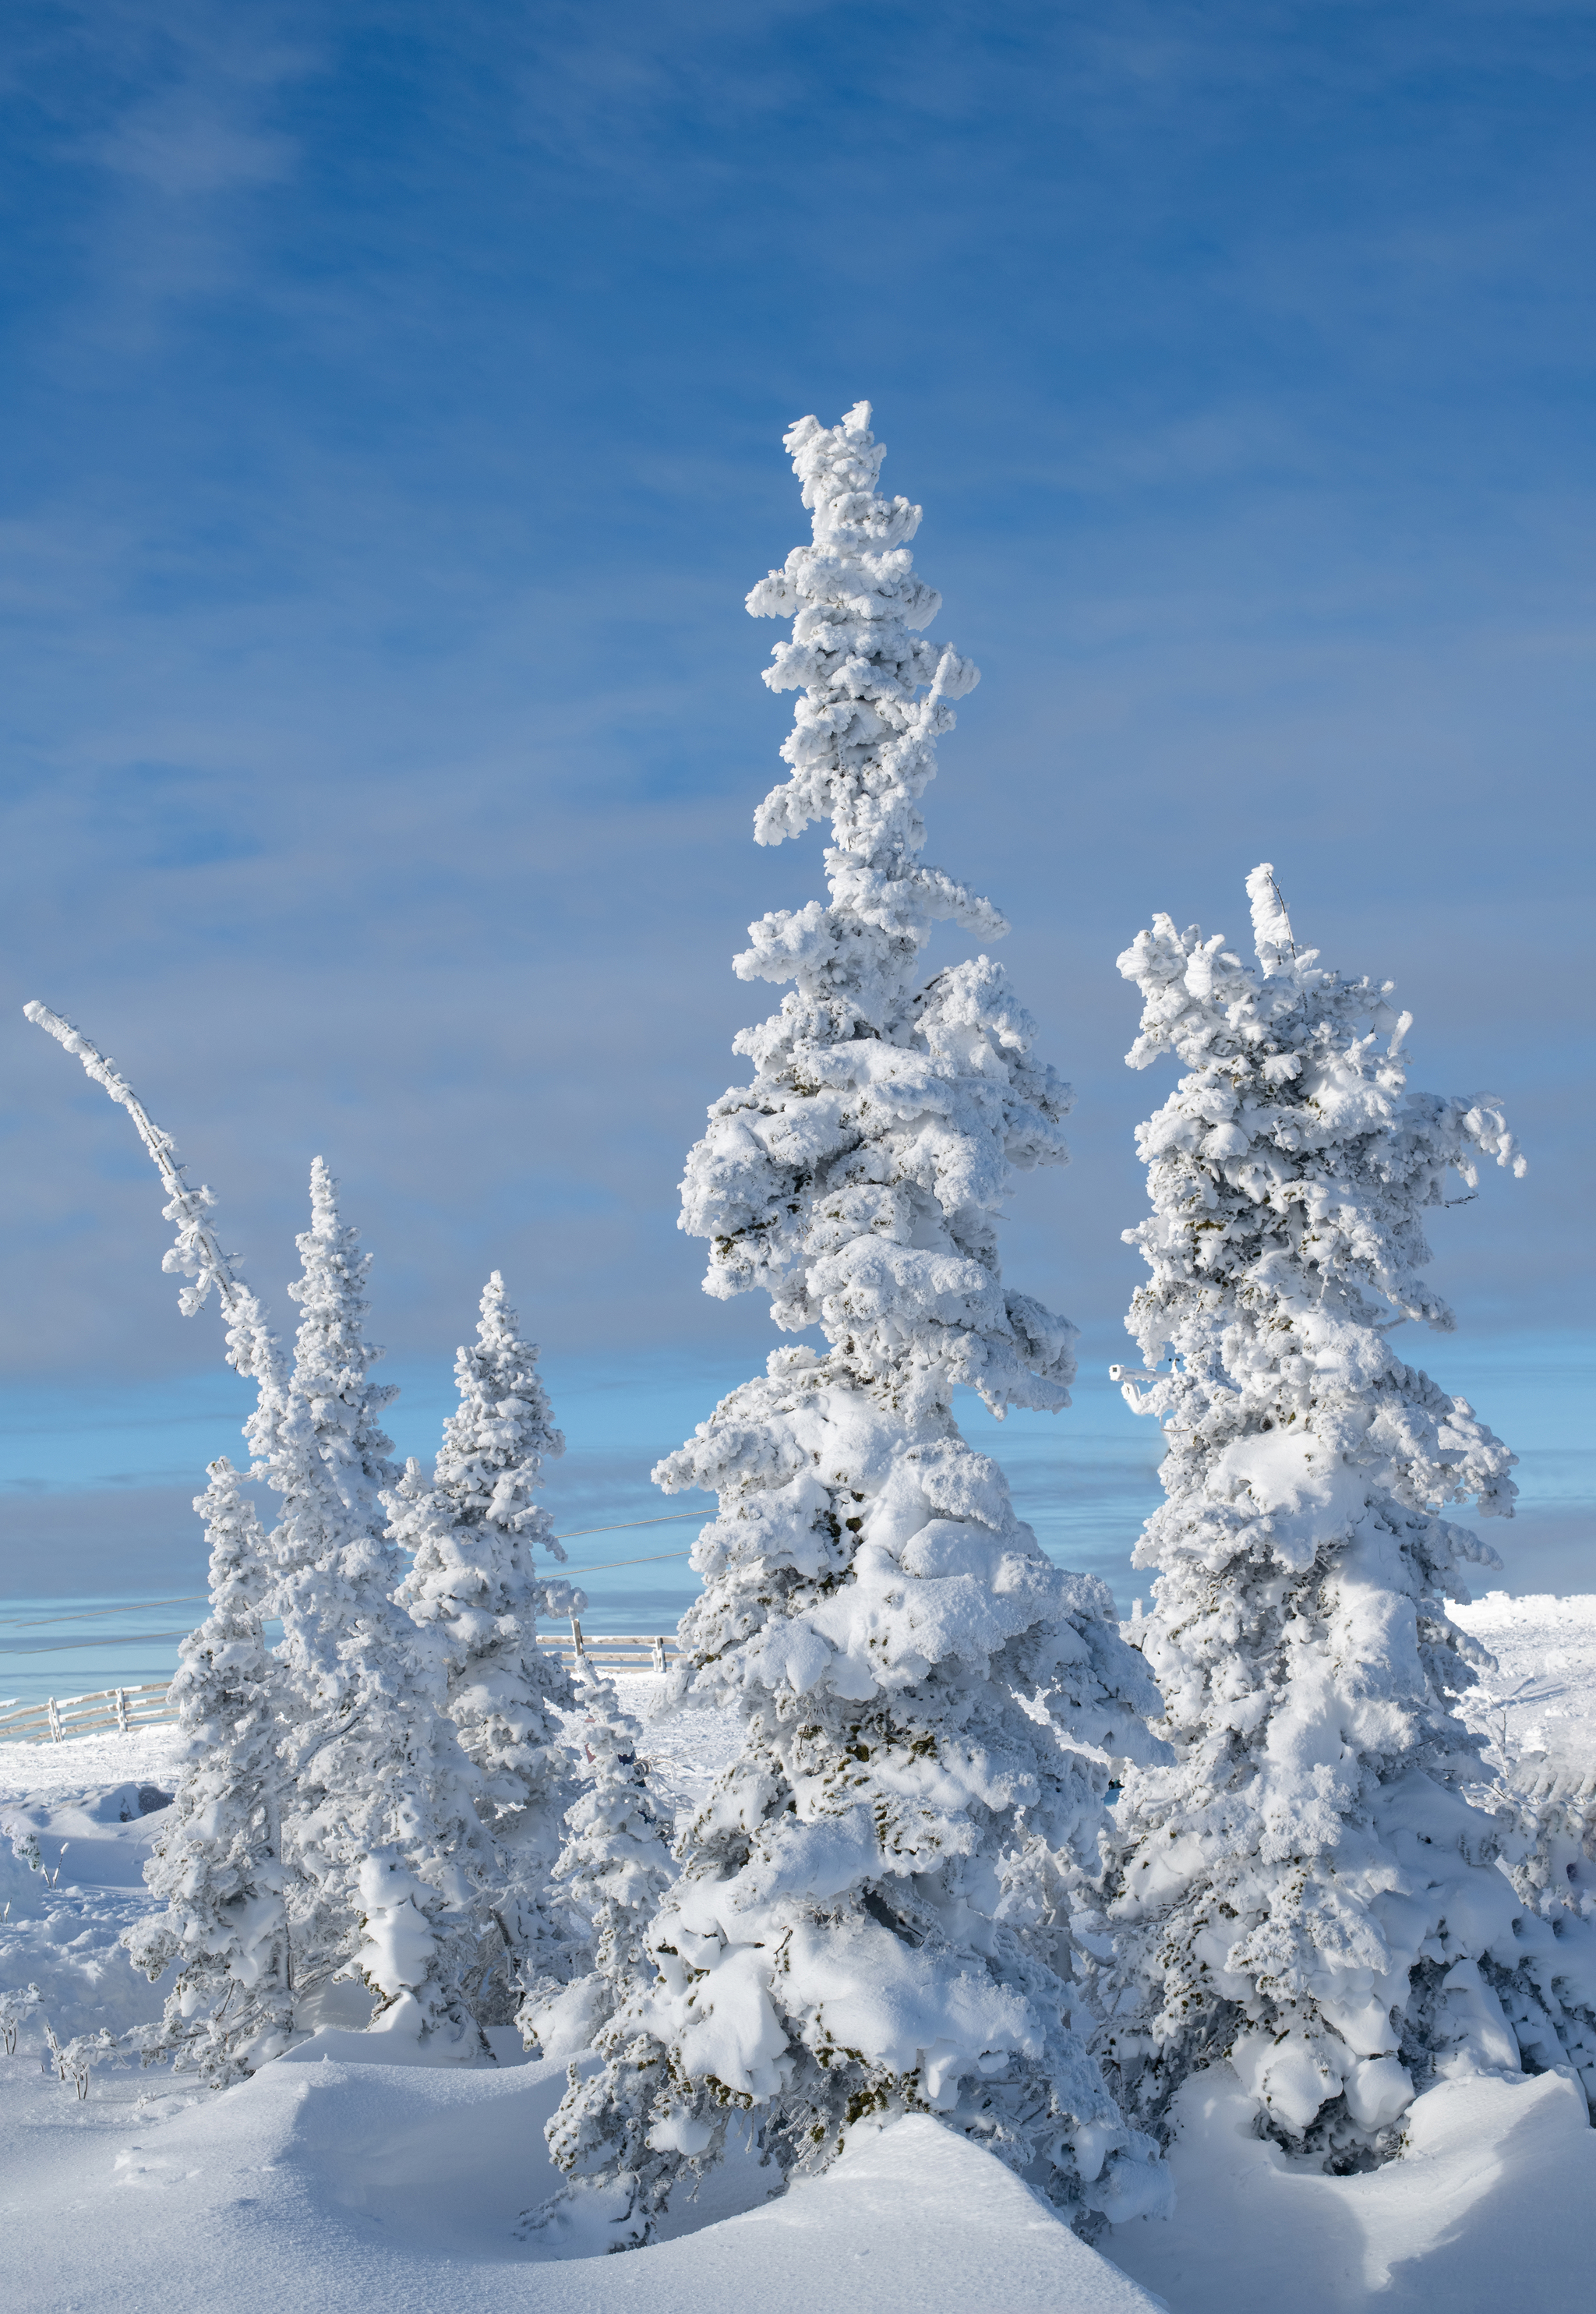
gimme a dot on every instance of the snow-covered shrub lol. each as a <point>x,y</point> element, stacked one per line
<point>218,1861</point>
<point>16,2006</point>
<point>873,1909</point>
<point>1547,1983</point>
<point>375,1773</point>
<point>1305,1890</point>
<point>614,1870</point>
<point>475,1587</point>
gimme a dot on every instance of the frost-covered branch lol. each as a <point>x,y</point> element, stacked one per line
<point>198,1254</point>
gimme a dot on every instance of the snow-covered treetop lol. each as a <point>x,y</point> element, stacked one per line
<point>334,1451</point>
<point>490,1462</point>
<point>859,1177</point>
<point>475,1582</point>
<point>1289,1172</point>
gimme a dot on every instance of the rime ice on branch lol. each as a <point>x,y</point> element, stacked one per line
<point>873,1910</point>
<point>196,1255</point>
<point>1305,1891</point>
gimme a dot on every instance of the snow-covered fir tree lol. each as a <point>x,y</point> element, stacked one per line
<point>218,1863</point>
<point>219,1866</point>
<point>390,1869</point>
<point>1305,1890</point>
<point>612,1873</point>
<point>873,1911</point>
<point>476,1586</point>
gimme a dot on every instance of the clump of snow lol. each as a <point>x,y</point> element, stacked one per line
<point>72,1858</point>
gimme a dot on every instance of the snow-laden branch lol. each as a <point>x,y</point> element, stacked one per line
<point>198,1253</point>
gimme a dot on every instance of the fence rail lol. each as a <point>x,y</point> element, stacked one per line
<point>612,1651</point>
<point>121,1709</point>
<point>109,1710</point>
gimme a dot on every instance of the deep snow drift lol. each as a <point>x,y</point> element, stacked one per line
<point>340,2183</point>
<point>387,2187</point>
<point>337,2184</point>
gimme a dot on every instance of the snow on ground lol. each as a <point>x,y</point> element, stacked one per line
<point>336,2183</point>
<point>1491,2210</point>
<point>1542,1695</point>
<point>331,2183</point>
<point>385,2187</point>
<point>93,1805</point>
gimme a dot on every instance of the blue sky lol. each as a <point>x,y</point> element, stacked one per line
<point>392,404</point>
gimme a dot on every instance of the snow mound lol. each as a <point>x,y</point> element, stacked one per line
<point>1487,2212</point>
<point>375,2188</point>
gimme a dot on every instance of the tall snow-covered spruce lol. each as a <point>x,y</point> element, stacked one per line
<point>873,1908</point>
<point>218,1864</point>
<point>1305,1890</point>
<point>388,1860</point>
<point>476,1587</point>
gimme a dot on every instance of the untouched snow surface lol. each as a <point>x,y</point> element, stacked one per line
<point>331,2183</point>
<point>1491,2210</point>
<point>1542,1695</point>
<point>377,2188</point>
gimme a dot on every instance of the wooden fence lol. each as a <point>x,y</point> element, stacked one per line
<point>613,1652</point>
<point>120,1710</point>
<point>112,1709</point>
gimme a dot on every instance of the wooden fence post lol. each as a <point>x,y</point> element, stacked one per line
<point>577,1641</point>
<point>55,1719</point>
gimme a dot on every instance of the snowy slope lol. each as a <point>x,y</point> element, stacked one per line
<point>378,2187</point>
<point>334,2184</point>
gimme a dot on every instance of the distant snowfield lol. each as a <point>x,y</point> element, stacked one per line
<point>1542,1693</point>
<point>334,2184</point>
